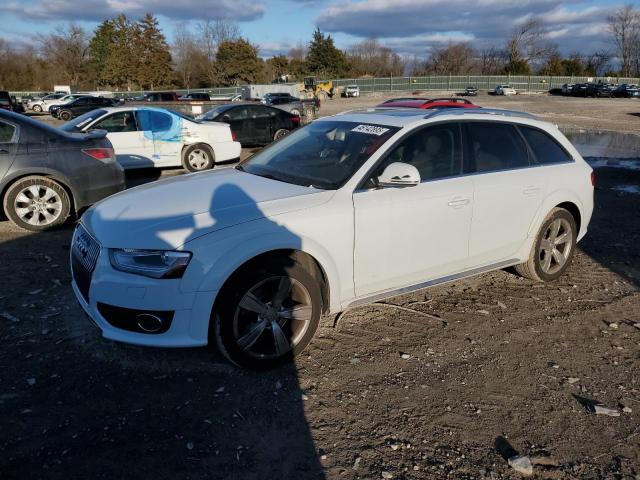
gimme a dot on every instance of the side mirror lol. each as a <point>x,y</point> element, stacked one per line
<point>225,119</point>
<point>399,174</point>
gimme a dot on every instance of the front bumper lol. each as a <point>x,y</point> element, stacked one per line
<point>192,311</point>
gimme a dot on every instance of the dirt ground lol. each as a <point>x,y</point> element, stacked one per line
<point>444,383</point>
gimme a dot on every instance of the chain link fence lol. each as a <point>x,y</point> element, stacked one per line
<point>449,83</point>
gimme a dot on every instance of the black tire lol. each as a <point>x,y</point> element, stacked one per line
<point>232,323</point>
<point>281,132</point>
<point>295,111</point>
<point>42,214</point>
<point>65,115</point>
<point>534,267</point>
<point>205,158</point>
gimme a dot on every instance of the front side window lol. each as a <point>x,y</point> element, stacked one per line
<point>117,123</point>
<point>435,151</point>
<point>323,154</point>
<point>494,146</point>
<point>544,148</point>
<point>7,132</point>
<point>81,102</point>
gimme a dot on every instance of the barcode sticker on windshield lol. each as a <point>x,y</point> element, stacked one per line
<point>370,130</point>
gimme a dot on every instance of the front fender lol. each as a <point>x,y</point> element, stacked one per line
<point>215,261</point>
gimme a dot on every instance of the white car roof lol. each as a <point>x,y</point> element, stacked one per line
<point>402,117</point>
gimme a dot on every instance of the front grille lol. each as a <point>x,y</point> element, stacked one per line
<point>84,255</point>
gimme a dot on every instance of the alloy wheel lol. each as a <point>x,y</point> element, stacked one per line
<point>198,159</point>
<point>272,317</point>
<point>38,205</point>
<point>555,246</point>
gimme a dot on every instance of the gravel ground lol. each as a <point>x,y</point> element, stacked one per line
<point>444,383</point>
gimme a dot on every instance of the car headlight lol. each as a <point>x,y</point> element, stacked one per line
<point>150,263</point>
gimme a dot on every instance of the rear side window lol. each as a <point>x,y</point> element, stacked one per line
<point>7,132</point>
<point>154,121</point>
<point>545,149</point>
<point>494,146</point>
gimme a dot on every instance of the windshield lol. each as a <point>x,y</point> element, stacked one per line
<point>82,121</point>
<point>323,154</point>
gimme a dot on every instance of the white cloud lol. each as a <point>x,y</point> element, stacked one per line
<point>98,10</point>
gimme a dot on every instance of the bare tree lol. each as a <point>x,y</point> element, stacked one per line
<point>66,49</point>
<point>211,34</point>
<point>189,58</point>
<point>624,25</point>
<point>370,58</point>
<point>491,61</point>
<point>527,44</point>
<point>453,59</point>
<point>597,63</point>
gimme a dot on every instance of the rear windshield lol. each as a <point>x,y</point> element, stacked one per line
<point>82,121</point>
<point>323,154</point>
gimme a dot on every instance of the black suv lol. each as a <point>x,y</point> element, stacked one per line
<point>79,106</point>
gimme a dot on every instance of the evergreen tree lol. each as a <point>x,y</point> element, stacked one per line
<point>99,49</point>
<point>120,65</point>
<point>153,57</point>
<point>237,63</point>
<point>324,59</point>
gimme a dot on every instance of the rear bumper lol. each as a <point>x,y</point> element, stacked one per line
<point>105,182</point>
<point>225,151</point>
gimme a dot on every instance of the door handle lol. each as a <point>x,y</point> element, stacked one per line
<point>531,190</point>
<point>458,202</point>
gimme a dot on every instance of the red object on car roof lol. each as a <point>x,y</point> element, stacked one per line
<point>431,103</point>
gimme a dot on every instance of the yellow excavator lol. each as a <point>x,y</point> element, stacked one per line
<point>312,88</point>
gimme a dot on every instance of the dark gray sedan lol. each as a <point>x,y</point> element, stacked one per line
<point>46,174</point>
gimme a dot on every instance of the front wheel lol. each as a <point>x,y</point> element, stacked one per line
<point>197,158</point>
<point>37,203</point>
<point>553,249</point>
<point>65,115</point>
<point>37,108</point>
<point>267,315</point>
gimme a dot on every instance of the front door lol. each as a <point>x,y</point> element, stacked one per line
<point>409,235</point>
<point>132,148</point>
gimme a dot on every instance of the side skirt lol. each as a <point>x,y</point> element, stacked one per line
<point>431,283</point>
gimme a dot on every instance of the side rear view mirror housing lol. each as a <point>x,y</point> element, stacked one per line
<point>225,119</point>
<point>399,174</point>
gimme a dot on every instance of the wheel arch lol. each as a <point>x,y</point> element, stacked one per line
<point>51,175</point>
<point>562,199</point>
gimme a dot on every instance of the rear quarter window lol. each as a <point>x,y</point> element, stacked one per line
<point>545,149</point>
<point>7,132</point>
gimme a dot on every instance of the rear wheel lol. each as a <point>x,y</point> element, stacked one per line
<point>37,108</point>
<point>65,115</point>
<point>198,157</point>
<point>553,249</point>
<point>295,111</point>
<point>37,203</point>
<point>267,315</point>
<point>280,133</point>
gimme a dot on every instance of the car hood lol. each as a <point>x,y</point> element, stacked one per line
<point>168,213</point>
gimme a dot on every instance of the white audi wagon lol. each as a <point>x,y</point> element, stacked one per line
<point>350,209</point>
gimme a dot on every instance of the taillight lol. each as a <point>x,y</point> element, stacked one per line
<point>295,119</point>
<point>102,154</point>
<point>234,137</point>
<point>593,178</point>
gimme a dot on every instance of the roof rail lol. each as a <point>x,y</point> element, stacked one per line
<point>484,111</point>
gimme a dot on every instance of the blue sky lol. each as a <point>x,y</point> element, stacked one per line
<point>410,27</point>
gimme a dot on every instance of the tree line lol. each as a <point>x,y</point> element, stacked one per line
<point>126,54</point>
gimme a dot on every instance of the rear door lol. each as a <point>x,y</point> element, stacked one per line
<point>260,124</point>
<point>165,130</point>
<point>238,119</point>
<point>133,149</point>
<point>8,146</point>
<point>507,192</point>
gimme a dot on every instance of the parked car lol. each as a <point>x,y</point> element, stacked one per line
<point>306,107</point>
<point>430,103</point>
<point>227,98</point>
<point>156,137</point>
<point>253,124</point>
<point>5,101</point>
<point>62,101</point>
<point>579,90</point>
<point>350,209</point>
<point>16,105</point>
<point>46,174</point>
<point>80,106</point>
<point>627,90</point>
<point>161,97</point>
<point>40,104</point>
<point>602,90</point>
<point>469,91</point>
<point>197,96</point>
<point>504,90</point>
<point>351,91</point>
